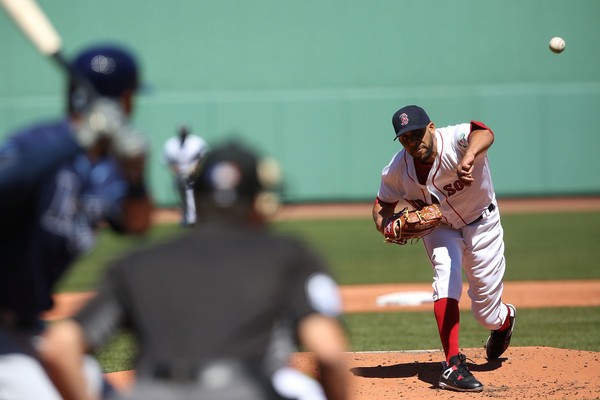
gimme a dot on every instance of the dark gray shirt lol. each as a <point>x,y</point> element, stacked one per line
<point>214,293</point>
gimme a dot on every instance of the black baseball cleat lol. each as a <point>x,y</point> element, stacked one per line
<point>458,377</point>
<point>498,341</point>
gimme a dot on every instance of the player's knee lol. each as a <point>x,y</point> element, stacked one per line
<point>487,319</point>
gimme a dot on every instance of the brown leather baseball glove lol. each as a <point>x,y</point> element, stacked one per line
<point>411,224</point>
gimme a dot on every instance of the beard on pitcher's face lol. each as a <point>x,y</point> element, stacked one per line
<point>423,153</point>
<point>419,144</point>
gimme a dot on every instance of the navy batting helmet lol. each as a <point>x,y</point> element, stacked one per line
<point>110,70</point>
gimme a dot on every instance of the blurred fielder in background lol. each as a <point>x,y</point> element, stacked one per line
<point>204,307</point>
<point>58,182</point>
<point>182,153</point>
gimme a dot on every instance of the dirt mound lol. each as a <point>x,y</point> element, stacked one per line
<point>521,373</point>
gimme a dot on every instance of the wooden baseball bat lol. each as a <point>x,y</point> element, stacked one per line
<point>35,25</point>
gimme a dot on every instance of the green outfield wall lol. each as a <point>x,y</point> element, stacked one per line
<point>315,82</point>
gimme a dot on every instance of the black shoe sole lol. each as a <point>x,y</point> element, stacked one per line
<point>446,386</point>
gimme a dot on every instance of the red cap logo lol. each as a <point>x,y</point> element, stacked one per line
<point>403,119</point>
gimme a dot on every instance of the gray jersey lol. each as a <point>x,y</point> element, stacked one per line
<point>215,293</point>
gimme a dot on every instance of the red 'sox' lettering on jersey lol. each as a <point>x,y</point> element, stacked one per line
<point>453,187</point>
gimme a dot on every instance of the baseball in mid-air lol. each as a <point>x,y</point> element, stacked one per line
<point>557,44</point>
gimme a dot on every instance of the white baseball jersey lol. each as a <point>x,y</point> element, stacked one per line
<point>471,239</point>
<point>184,156</point>
<point>460,204</point>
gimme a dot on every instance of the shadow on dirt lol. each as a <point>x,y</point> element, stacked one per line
<point>428,372</point>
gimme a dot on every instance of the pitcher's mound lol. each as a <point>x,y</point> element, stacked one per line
<point>521,373</point>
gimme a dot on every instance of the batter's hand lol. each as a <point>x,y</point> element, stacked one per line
<point>133,168</point>
<point>464,169</point>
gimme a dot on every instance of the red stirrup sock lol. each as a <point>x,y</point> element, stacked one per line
<point>506,323</point>
<point>447,317</point>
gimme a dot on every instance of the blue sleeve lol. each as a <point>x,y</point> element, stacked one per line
<point>26,160</point>
<point>30,155</point>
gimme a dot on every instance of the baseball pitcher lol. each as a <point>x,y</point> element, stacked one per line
<point>443,176</point>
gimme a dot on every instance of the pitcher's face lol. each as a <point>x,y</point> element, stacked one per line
<point>420,143</point>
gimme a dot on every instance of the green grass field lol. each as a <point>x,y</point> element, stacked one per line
<point>536,249</point>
